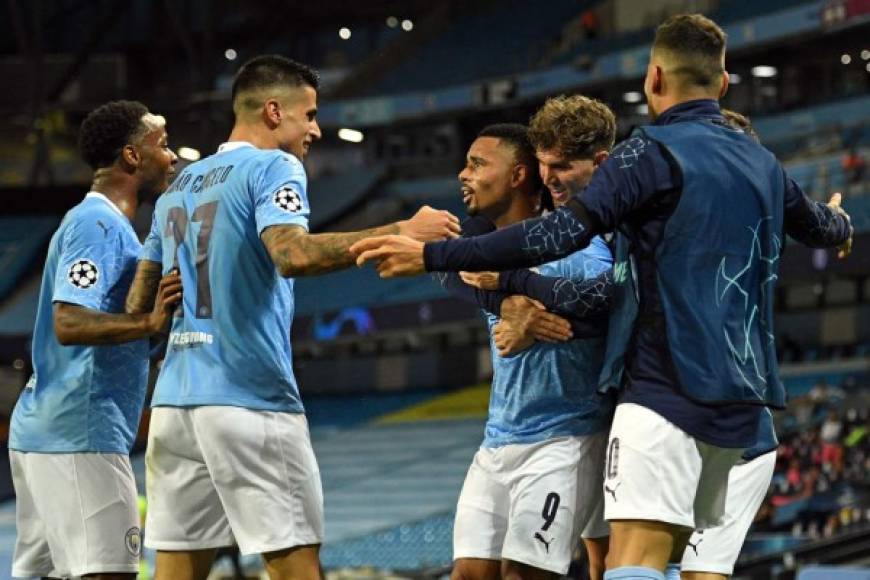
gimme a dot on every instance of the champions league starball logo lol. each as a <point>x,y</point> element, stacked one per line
<point>133,540</point>
<point>288,200</point>
<point>83,274</point>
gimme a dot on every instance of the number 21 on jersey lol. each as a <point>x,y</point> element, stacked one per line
<point>177,222</point>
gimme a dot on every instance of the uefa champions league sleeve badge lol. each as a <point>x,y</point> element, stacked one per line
<point>287,200</point>
<point>83,274</point>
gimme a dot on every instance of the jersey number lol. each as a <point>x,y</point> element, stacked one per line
<point>176,227</point>
<point>551,507</point>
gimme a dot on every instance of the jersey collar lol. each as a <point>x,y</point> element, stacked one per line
<point>232,145</point>
<point>98,195</point>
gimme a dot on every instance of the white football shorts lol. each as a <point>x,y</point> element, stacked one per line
<point>530,503</point>
<point>658,472</point>
<point>218,474</point>
<point>75,514</point>
<point>716,549</point>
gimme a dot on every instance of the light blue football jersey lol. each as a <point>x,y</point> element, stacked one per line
<point>230,343</point>
<point>549,390</point>
<point>84,398</point>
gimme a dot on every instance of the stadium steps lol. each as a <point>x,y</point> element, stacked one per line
<point>846,548</point>
<point>418,545</point>
<point>381,476</point>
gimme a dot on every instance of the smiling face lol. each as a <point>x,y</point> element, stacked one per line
<point>486,178</point>
<point>156,162</point>
<point>571,136</point>
<point>562,176</point>
<point>298,126</point>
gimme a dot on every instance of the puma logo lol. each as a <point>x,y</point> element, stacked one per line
<point>612,491</point>
<point>538,536</point>
<point>695,545</point>
<point>102,225</point>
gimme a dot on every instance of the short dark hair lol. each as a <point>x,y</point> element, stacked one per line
<point>272,70</point>
<point>517,137</point>
<point>695,45</point>
<point>107,129</point>
<point>577,126</point>
<point>739,121</point>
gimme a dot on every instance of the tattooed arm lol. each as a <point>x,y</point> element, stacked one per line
<point>295,252</point>
<point>74,324</point>
<point>143,291</point>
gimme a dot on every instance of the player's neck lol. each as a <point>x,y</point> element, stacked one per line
<point>518,211</point>
<point>119,188</point>
<point>257,135</point>
<point>667,103</point>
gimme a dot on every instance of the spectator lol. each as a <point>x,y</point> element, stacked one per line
<point>832,449</point>
<point>853,166</point>
<point>793,476</point>
<point>589,20</point>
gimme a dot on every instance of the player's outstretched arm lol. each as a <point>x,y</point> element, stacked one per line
<point>815,224</point>
<point>567,296</point>
<point>74,324</point>
<point>295,252</point>
<point>529,243</point>
<point>618,188</point>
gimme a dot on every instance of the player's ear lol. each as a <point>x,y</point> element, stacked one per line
<point>725,80</point>
<point>519,174</point>
<point>130,156</point>
<point>272,112</point>
<point>656,79</point>
<point>600,158</point>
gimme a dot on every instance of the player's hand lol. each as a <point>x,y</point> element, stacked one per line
<point>530,317</point>
<point>431,225</point>
<point>393,255</point>
<point>508,340</point>
<point>482,280</point>
<point>168,296</point>
<point>845,248</point>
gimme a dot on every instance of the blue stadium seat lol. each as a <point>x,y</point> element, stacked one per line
<point>832,573</point>
<point>17,315</point>
<point>21,241</point>
<point>517,32</point>
<point>394,484</point>
<point>333,195</point>
<point>360,287</point>
<point>421,544</point>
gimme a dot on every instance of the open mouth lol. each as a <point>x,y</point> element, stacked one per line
<point>560,195</point>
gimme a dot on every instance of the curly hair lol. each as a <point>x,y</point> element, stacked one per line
<point>577,126</point>
<point>739,121</point>
<point>107,129</point>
